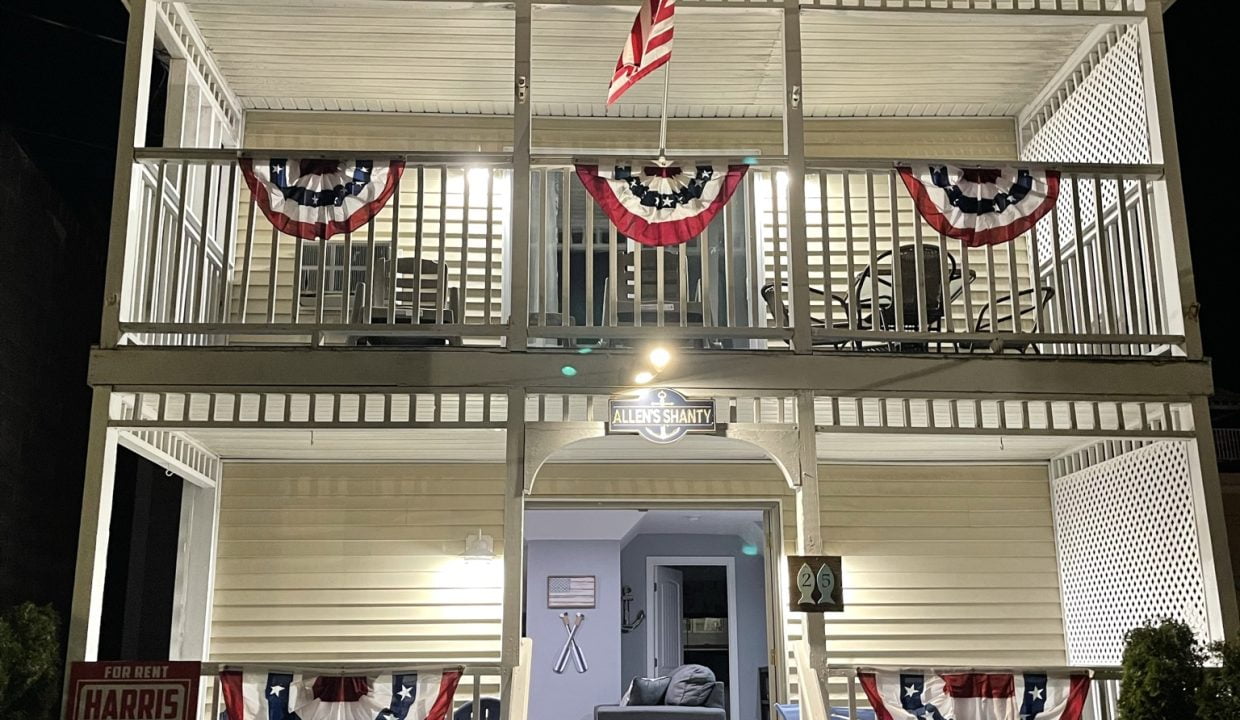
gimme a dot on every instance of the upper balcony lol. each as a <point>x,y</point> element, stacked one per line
<point>821,248</point>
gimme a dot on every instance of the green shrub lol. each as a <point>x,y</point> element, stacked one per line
<point>29,663</point>
<point>1162,673</point>
<point>1219,698</point>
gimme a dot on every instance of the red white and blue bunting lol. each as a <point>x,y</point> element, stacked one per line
<point>661,205</point>
<point>277,695</point>
<point>969,695</point>
<point>981,207</point>
<point>319,198</point>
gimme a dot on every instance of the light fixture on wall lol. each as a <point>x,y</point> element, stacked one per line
<point>479,548</point>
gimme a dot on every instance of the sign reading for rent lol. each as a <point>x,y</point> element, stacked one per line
<point>133,691</point>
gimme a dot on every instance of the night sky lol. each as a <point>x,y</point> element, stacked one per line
<point>59,96</point>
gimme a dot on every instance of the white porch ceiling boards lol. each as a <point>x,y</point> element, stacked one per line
<point>457,59</point>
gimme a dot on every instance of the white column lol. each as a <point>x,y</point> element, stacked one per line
<point>194,586</point>
<point>809,530</point>
<point>1216,561</point>
<point>794,148</point>
<point>127,194</point>
<point>1169,210</point>
<point>514,545</point>
<point>519,257</point>
<point>92,556</point>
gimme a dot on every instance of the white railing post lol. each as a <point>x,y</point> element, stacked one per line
<point>127,189</point>
<point>809,534</point>
<point>518,266</point>
<point>1216,562</point>
<point>794,148</point>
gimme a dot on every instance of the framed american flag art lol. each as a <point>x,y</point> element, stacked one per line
<point>565,592</point>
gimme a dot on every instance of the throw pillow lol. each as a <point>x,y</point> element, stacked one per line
<point>646,691</point>
<point>690,685</point>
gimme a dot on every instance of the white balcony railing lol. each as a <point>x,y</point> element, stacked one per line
<point>1094,277</point>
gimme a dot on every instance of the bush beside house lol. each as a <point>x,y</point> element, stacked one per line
<point>30,663</point>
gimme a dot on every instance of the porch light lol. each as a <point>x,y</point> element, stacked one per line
<point>660,357</point>
<point>643,377</point>
<point>479,548</point>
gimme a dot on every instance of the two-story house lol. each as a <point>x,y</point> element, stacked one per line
<point>397,439</point>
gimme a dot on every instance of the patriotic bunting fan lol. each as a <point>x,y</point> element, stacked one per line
<point>982,206</point>
<point>661,205</point>
<point>319,198</point>
<point>918,695</point>
<point>270,695</point>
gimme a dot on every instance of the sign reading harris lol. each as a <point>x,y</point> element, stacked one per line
<point>133,691</point>
<point>815,583</point>
<point>660,415</point>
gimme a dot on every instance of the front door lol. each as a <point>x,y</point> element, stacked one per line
<point>669,649</point>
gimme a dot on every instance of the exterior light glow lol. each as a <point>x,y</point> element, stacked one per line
<point>643,377</point>
<point>568,371</point>
<point>660,357</point>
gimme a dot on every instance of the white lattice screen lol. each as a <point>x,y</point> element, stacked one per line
<point>1126,534</point>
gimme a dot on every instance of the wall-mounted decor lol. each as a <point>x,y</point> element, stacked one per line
<point>815,584</point>
<point>568,592</point>
<point>571,646</point>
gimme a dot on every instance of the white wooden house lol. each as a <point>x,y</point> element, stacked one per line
<point>1011,493</point>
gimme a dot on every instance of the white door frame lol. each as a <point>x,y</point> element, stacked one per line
<point>729,564</point>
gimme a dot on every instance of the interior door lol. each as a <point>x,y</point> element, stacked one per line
<point>669,642</point>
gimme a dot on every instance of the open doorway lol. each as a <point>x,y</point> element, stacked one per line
<point>712,564</point>
<point>693,617</point>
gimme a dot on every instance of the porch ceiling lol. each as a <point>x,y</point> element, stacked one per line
<point>487,446</point>
<point>449,58</point>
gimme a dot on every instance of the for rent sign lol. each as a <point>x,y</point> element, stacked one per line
<point>133,691</point>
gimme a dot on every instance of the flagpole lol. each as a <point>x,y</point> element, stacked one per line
<point>667,75</point>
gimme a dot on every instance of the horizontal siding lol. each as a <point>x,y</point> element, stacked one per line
<point>337,562</point>
<point>943,566</point>
<point>317,562</point>
<point>971,138</point>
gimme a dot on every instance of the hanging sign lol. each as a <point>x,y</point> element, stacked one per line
<point>814,583</point>
<point>312,199</point>
<point>980,206</point>
<point>133,691</point>
<point>660,205</point>
<point>660,415</point>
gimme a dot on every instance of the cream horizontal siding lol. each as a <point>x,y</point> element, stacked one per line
<point>943,565</point>
<point>903,138</point>
<point>332,562</point>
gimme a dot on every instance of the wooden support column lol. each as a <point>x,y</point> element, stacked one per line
<point>794,148</point>
<point>1170,213</point>
<point>127,190</point>
<point>194,588</point>
<point>1216,561</point>
<point>809,530</point>
<point>519,257</point>
<point>92,556</point>
<point>514,546</point>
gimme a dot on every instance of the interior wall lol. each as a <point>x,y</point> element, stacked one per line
<point>572,695</point>
<point>751,641</point>
<point>904,138</point>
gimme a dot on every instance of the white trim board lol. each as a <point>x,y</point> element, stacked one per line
<point>729,563</point>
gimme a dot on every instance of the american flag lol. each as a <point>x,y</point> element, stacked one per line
<point>648,47</point>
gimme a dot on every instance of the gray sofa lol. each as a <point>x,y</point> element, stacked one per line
<point>689,693</point>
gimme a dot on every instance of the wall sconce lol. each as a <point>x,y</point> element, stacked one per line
<point>479,548</point>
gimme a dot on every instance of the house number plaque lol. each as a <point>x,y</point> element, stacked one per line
<point>814,582</point>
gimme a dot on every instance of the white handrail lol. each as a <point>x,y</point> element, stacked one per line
<point>520,696</point>
<point>813,704</point>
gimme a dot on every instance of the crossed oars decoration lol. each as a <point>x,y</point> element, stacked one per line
<point>571,646</point>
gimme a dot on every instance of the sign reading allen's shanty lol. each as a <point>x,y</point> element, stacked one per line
<point>660,415</point>
<point>133,691</point>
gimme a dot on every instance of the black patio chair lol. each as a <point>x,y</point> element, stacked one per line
<point>1000,343</point>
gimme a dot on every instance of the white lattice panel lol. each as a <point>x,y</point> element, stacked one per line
<point>1126,534</point>
<point>1097,115</point>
